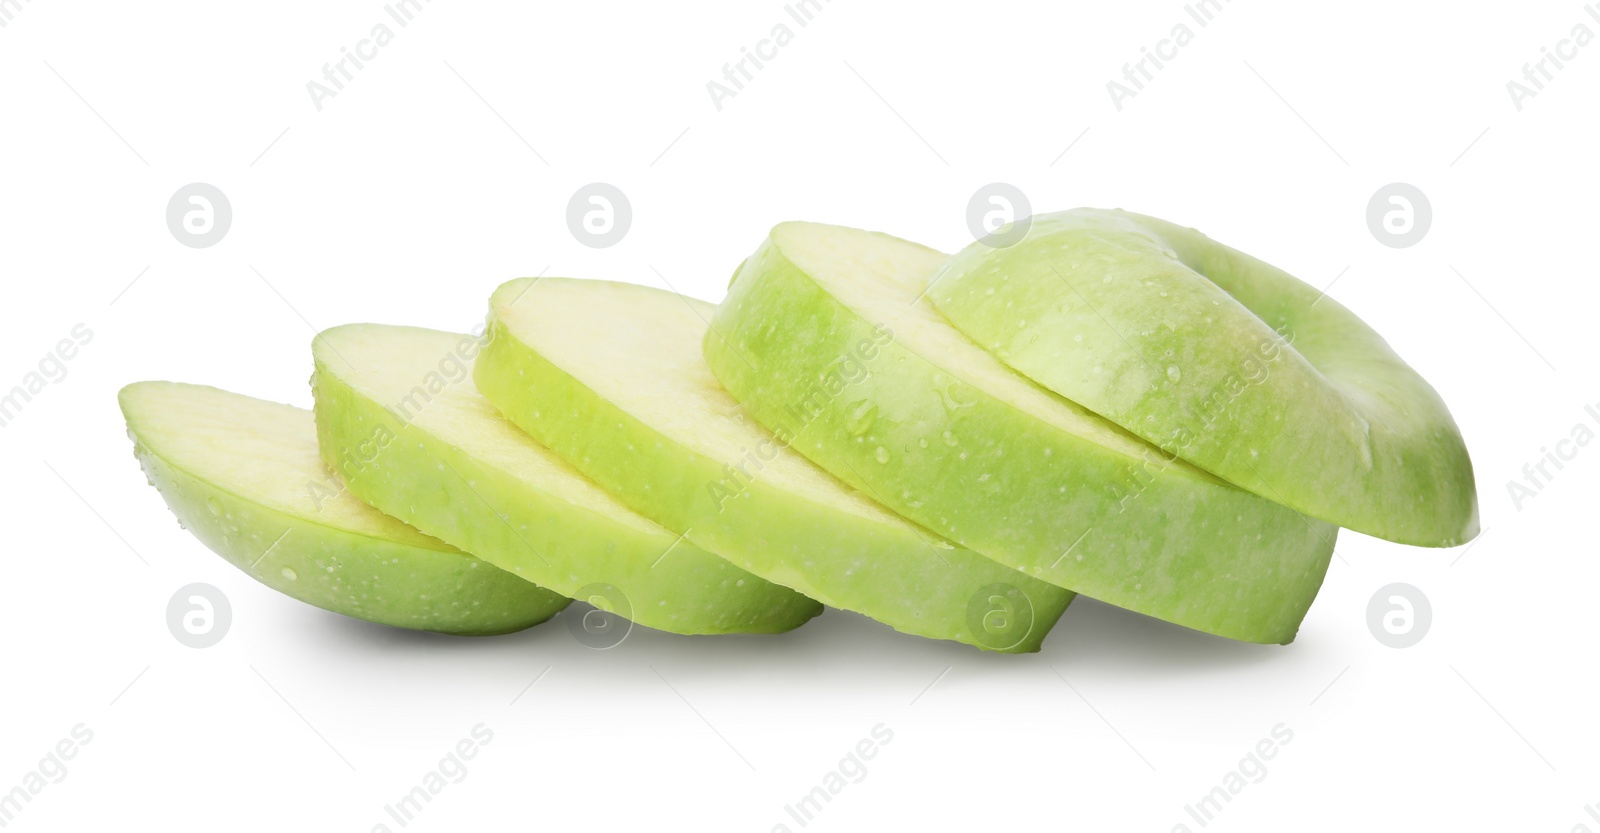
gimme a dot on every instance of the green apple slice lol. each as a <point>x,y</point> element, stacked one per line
<point>244,477</point>
<point>399,416</point>
<point>1225,361</point>
<point>825,335</point>
<point>611,376</point>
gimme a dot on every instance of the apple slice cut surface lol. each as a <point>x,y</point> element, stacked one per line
<point>827,336</point>
<point>1225,361</point>
<point>243,475</point>
<point>399,416</point>
<point>611,376</point>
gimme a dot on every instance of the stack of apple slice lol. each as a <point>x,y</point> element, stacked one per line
<point>952,446</point>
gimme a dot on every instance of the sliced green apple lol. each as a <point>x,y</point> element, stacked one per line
<point>611,376</point>
<point>399,416</point>
<point>1225,361</point>
<point>243,476</point>
<point>825,336</point>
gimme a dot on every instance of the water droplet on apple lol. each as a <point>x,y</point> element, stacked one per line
<point>214,505</point>
<point>289,573</point>
<point>881,455</point>
<point>952,401</point>
<point>1174,373</point>
<point>861,420</point>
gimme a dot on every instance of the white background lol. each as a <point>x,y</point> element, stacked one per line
<point>420,187</point>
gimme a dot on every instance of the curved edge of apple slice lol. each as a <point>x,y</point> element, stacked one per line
<point>352,560</point>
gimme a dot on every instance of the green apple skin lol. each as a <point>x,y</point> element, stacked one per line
<point>881,392</point>
<point>278,515</point>
<point>826,541</point>
<point>1225,361</point>
<point>452,467</point>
